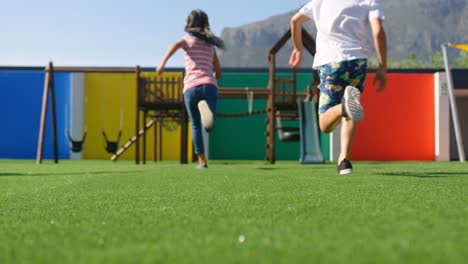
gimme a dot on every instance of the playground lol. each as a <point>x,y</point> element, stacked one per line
<point>100,170</point>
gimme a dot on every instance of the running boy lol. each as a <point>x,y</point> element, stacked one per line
<point>342,61</point>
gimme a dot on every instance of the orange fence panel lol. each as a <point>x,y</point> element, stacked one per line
<point>399,122</point>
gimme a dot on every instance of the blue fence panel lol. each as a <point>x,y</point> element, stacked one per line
<point>20,111</point>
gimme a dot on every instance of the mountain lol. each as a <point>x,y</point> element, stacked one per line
<point>415,31</point>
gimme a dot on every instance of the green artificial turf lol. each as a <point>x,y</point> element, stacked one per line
<point>233,212</point>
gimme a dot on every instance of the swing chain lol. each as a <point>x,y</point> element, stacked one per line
<point>250,97</point>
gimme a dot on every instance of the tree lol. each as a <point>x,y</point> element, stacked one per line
<point>437,60</point>
<point>462,60</point>
<point>412,62</point>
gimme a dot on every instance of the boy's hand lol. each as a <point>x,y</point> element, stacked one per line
<point>381,77</point>
<point>296,58</point>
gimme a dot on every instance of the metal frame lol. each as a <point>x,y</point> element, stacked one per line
<point>453,105</point>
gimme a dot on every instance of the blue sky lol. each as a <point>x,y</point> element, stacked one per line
<point>113,33</point>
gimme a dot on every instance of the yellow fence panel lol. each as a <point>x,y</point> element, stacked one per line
<point>110,107</point>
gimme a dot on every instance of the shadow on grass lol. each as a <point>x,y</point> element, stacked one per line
<point>12,174</point>
<point>425,174</point>
<point>65,173</point>
<point>237,162</point>
<point>267,168</point>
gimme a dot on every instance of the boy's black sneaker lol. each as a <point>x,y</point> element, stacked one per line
<point>345,167</point>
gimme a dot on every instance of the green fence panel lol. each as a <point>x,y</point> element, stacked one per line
<point>243,138</point>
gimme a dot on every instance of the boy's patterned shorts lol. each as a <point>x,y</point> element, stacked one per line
<point>334,78</point>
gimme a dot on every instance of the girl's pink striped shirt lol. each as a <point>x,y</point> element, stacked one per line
<point>199,57</point>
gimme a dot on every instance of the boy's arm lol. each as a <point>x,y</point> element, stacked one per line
<point>296,34</point>
<point>172,49</point>
<point>380,43</point>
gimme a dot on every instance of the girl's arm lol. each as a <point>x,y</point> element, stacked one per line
<point>172,49</point>
<point>217,67</point>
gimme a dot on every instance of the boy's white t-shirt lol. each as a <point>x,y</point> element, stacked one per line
<point>341,28</point>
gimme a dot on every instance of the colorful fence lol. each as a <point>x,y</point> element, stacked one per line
<point>399,123</point>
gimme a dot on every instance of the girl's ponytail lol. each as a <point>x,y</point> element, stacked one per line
<point>199,26</point>
<point>213,40</point>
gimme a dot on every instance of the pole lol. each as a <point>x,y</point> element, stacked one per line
<point>45,99</point>
<point>137,119</point>
<point>54,113</point>
<point>453,106</point>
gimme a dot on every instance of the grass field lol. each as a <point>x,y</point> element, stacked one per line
<point>234,212</point>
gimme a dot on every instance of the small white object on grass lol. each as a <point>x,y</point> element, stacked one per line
<point>241,239</point>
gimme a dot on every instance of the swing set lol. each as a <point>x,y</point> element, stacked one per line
<point>160,100</point>
<point>76,145</point>
<point>110,146</point>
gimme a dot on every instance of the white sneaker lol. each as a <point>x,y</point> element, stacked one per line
<point>206,115</point>
<point>351,106</point>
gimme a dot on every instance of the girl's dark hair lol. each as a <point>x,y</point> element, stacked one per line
<point>198,26</point>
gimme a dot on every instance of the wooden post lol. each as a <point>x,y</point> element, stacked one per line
<point>183,127</point>
<point>45,99</point>
<point>145,115</point>
<point>155,141</point>
<point>48,87</point>
<point>271,112</point>
<point>294,85</point>
<point>160,153</point>
<point>137,119</point>
<point>184,138</point>
<point>54,114</point>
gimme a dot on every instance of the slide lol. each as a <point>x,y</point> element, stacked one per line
<point>310,137</point>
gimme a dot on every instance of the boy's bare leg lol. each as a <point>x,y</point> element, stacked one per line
<point>329,120</point>
<point>328,123</point>
<point>348,131</point>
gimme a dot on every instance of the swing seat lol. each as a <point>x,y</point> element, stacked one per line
<point>287,133</point>
<point>112,146</point>
<point>290,136</point>
<point>76,146</point>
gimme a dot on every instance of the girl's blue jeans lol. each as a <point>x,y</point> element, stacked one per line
<point>209,93</point>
